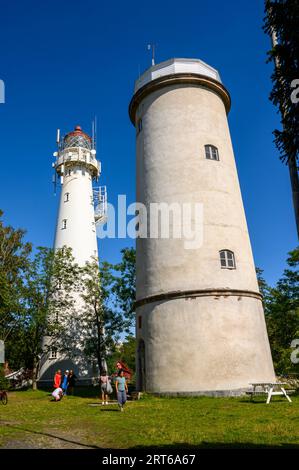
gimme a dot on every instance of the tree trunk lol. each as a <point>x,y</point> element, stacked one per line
<point>34,374</point>
<point>99,347</point>
<point>295,188</point>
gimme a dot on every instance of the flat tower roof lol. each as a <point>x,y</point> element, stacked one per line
<point>173,66</point>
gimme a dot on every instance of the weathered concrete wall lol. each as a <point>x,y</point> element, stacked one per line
<point>172,167</point>
<point>205,343</point>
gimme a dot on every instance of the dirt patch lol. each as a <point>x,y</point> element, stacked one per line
<point>8,423</point>
<point>46,440</point>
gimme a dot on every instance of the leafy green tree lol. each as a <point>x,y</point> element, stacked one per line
<point>282,316</point>
<point>124,286</point>
<point>48,300</point>
<point>102,324</point>
<point>14,259</point>
<point>281,23</point>
<point>265,289</point>
<point>126,352</point>
<point>4,384</point>
<point>108,305</point>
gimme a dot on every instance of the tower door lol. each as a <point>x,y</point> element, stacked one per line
<point>141,366</point>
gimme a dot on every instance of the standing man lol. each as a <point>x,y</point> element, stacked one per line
<point>121,389</point>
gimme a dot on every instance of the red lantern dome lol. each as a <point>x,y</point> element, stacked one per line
<point>77,138</point>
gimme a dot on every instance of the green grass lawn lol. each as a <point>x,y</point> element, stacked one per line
<point>30,420</point>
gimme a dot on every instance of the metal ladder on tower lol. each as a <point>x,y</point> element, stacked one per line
<point>100,205</point>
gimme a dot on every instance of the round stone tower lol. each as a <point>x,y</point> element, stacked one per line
<point>199,319</point>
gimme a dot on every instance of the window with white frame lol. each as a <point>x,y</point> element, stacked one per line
<point>211,152</point>
<point>53,353</point>
<point>66,197</point>
<point>227,259</point>
<point>63,224</point>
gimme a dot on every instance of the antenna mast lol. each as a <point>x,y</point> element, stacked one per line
<point>152,47</point>
<point>56,154</point>
<point>95,131</point>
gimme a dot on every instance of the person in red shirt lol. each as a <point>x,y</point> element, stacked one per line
<point>122,366</point>
<point>57,379</point>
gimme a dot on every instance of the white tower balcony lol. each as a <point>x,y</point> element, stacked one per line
<point>76,149</point>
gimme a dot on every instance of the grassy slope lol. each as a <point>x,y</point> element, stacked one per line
<point>31,420</point>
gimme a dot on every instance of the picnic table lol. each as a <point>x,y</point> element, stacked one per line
<point>270,389</point>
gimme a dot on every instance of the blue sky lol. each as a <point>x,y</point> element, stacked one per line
<point>64,62</point>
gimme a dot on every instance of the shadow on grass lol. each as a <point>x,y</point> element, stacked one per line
<point>272,402</point>
<point>53,436</point>
<point>202,446</point>
<point>214,445</point>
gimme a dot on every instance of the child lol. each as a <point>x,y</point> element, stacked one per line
<point>104,379</point>
<point>57,394</point>
<point>121,389</point>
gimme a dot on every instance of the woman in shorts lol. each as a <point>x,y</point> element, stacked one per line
<point>104,384</point>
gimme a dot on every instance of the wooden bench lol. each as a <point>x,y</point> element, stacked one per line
<point>268,388</point>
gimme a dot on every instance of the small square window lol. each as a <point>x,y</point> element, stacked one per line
<point>211,152</point>
<point>66,197</point>
<point>227,259</point>
<point>53,353</point>
<point>63,224</point>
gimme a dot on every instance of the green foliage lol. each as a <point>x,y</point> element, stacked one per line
<point>47,301</point>
<point>38,295</point>
<point>282,315</point>
<point>125,352</point>
<point>4,384</point>
<point>108,295</point>
<point>283,18</point>
<point>124,286</point>
<point>14,259</point>
<point>101,323</point>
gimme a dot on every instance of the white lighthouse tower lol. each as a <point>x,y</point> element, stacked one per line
<point>199,320</point>
<point>81,208</point>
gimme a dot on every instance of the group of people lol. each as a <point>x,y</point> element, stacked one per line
<point>120,386</point>
<point>63,385</point>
